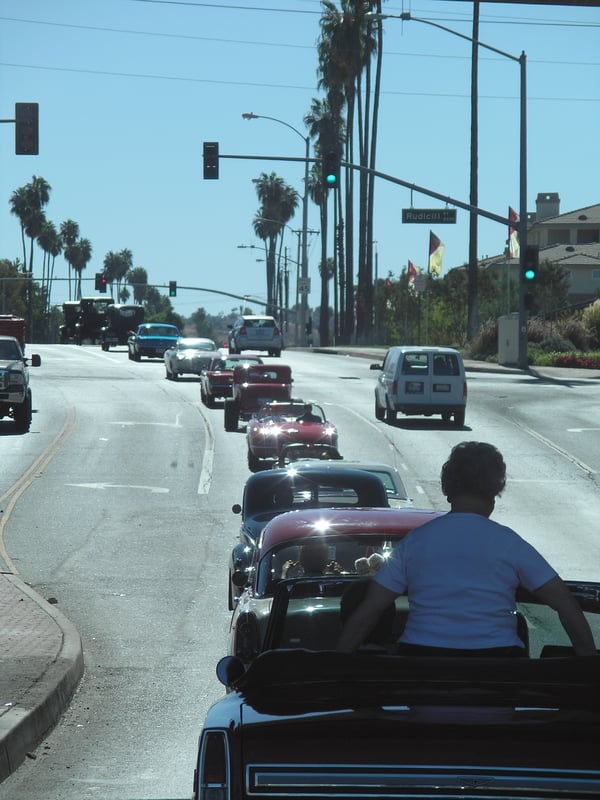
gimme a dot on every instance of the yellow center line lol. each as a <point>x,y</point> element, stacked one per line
<point>27,478</point>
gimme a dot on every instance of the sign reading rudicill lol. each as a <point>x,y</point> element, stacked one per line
<point>429,215</point>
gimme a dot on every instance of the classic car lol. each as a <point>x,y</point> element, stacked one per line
<point>389,476</point>
<point>151,340</point>
<point>311,542</point>
<point>269,493</point>
<point>307,721</point>
<point>121,321</point>
<point>253,386</point>
<point>216,380</point>
<point>279,424</point>
<point>189,356</point>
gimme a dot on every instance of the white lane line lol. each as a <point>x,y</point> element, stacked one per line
<point>207,457</point>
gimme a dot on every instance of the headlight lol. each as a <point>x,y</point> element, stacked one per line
<point>15,378</point>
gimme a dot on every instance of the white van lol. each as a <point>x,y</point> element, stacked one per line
<point>421,380</point>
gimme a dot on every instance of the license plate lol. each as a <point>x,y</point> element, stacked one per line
<point>441,387</point>
<point>414,387</point>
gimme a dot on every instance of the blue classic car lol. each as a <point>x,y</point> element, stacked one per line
<point>151,340</point>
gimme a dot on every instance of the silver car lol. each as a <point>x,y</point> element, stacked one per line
<point>253,332</point>
<point>189,355</point>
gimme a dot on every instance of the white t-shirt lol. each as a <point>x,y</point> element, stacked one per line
<point>461,572</point>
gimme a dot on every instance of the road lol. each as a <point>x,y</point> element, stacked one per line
<point>118,504</point>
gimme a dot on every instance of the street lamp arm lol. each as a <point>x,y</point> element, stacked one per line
<point>250,115</point>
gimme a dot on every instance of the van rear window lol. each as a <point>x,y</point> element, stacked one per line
<point>446,364</point>
<point>415,364</point>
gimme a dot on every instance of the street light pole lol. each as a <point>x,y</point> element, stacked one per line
<point>521,60</point>
<point>248,115</point>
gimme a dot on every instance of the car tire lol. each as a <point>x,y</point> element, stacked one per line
<point>175,375</point>
<point>390,415</point>
<point>230,595</point>
<point>231,415</point>
<point>253,462</point>
<point>203,396</point>
<point>22,415</point>
<point>105,347</point>
<point>209,400</point>
<point>137,356</point>
<point>446,416</point>
<point>459,418</point>
<point>379,411</point>
<point>167,374</point>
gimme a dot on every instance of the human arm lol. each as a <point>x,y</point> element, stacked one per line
<point>364,618</point>
<point>555,593</point>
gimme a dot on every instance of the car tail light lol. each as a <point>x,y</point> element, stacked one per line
<point>213,767</point>
<point>275,331</point>
<point>395,387</point>
<point>242,330</point>
<point>465,389</point>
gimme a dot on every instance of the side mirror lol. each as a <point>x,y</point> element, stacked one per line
<point>376,366</point>
<point>229,669</point>
<point>35,360</point>
<point>236,508</point>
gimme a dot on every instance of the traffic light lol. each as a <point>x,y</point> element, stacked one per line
<point>172,288</point>
<point>531,263</point>
<point>26,129</point>
<point>330,166</point>
<point>100,284</point>
<point>210,156</point>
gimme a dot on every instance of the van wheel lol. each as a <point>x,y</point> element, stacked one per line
<point>446,416</point>
<point>379,411</point>
<point>391,415</point>
<point>253,462</point>
<point>459,418</point>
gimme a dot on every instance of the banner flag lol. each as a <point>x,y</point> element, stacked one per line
<point>436,251</point>
<point>514,249</point>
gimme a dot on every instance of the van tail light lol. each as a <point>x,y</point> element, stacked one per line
<point>243,330</point>
<point>394,387</point>
<point>213,767</point>
<point>275,331</point>
<point>465,389</point>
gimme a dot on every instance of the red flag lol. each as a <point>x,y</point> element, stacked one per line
<point>436,251</point>
<point>412,272</point>
<point>514,249</point>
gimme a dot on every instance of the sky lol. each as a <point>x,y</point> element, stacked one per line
<point>129,90</point>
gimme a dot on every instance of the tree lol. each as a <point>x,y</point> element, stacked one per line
<point>278,202</point>
<point>69,233</point>
<point>137,278</point>
<point>49,241</point>
<point>80,255</point>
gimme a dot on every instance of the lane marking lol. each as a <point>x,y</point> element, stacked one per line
<point>102,486</point>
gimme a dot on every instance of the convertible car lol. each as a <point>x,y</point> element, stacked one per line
<point>270,493</point>
<point>304,721</point>
<point>279,425</point>
<point>309,543</point>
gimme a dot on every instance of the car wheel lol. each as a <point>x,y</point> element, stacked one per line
<point>390,415</point>
<point>105,347</point>
<point>167,374</point>
<point>379,410</point>
<point>446,415</point>
<point>231,414</point>
<point>230,595</point>
<point>22,415</point>
<point>130,355</point>
<point>203,395</point>
<point>137,356</point>
<point>459,418</point>
<point>253,461</point>
<point>175,375</point>
<point>210,401</point>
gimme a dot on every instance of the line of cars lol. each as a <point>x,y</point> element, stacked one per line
<point>299,719</point>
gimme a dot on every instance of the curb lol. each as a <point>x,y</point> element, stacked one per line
<point>25,725</point>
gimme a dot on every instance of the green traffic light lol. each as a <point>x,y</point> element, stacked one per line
<point>330,180</point>
<point>529,274</point>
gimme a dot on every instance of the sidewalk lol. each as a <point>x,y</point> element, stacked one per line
<point>41,663</point>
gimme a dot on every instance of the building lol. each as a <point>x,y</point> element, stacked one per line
<point>571,240</point>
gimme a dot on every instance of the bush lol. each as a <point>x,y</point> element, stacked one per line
<point>576,331</point>
<point>556,344</point>
<point>591,320</point>
<point>484,346</point>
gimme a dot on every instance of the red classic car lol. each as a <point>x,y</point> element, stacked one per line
<point>253,386</point>
<point>278,425</point>
<point>216,381</point>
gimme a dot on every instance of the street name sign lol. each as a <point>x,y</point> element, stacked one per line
<point>429,216</point>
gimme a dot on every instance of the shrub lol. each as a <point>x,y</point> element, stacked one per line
<point>556,344</point>
<point>575,330</point>
<point>591,320</point>
<point>485,345</point>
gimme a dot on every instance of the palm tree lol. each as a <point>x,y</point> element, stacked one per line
<point>69,233</point>
<point>124,264</point>
<point>278,203</point>
<point>49,241</point>
<point>19,206</point>
<point>345,49</point>
<point>80,255</point>
<point>111,268</point>
<point>137,278</point>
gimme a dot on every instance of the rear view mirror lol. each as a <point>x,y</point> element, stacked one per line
<point>376,366</point>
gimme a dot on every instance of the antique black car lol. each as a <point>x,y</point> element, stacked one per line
<point>121,321</point>
<point>303,720</point>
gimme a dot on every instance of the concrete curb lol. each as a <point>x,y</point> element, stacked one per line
<point>24,726</point>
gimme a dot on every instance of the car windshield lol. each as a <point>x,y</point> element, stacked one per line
<point>159,330</point>
<point>9,351</point>
<point>287,412</point>
<point>261,322</point>
<point>203,345</point>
